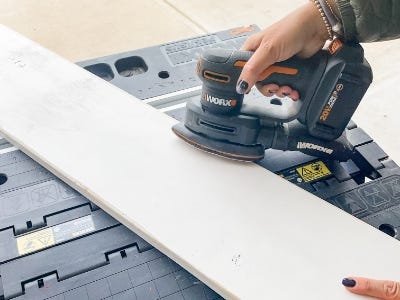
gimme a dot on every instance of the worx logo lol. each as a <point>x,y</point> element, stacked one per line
<point>311,146</point>
<point>219,101</point>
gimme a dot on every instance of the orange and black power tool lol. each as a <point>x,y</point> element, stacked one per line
<point>330,86</point>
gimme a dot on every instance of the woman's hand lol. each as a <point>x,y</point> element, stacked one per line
<point>301,33</point>
<point>380,289</point>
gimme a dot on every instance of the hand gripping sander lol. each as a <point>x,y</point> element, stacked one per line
<point>223,122</point>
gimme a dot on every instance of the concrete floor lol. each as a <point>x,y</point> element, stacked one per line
<point>83,29</point>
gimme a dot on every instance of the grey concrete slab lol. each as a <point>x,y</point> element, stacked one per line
<point>79,30</point>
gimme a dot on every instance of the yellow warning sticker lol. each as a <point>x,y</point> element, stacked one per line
<point>56,234</point>
<point>313,171</point>
<point>35,241</point>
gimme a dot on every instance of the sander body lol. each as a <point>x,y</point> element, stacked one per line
<point>224,123</point>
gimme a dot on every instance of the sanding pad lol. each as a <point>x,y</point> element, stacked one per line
<point>222,148</point>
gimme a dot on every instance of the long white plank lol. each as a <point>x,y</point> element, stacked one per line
<point>244,231</point>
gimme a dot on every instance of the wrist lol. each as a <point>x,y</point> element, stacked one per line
<point>317,22</point>
<point>329,13</point>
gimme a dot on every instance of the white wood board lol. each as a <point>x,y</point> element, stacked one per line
<point>241,229</point>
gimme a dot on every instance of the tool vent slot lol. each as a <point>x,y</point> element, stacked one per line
<point>217,127</point>
<point>216,76</point>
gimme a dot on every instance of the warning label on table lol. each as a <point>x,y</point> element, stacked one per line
<point>56,234</point>
<point>35,241</point>
<point>313,171</point>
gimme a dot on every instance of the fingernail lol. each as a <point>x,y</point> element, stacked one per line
<point>349,282</point>
<point>241,87</point>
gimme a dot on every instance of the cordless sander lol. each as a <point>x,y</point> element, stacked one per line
<point>331,84</point>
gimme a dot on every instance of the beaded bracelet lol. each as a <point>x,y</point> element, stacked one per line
<point>331,21</point>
